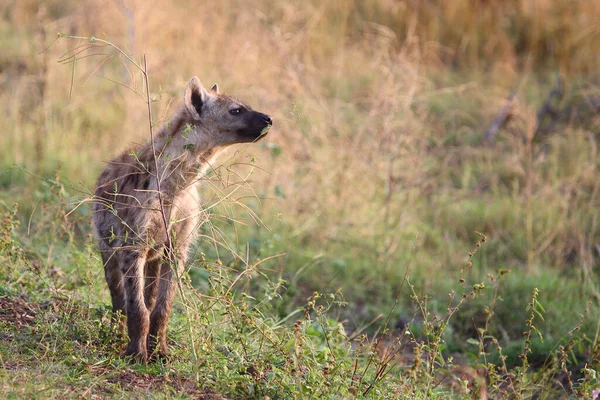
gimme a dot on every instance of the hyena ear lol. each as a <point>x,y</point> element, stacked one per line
<point>195,97</point>
<point>215,88</point>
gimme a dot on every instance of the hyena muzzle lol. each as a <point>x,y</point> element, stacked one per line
<point>139,267</point>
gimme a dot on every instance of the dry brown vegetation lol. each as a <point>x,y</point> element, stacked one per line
<point>377,156</point>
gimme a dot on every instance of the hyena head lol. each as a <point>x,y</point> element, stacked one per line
<point>228,120</point>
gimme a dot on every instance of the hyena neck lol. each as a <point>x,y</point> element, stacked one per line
<point>185,152</point>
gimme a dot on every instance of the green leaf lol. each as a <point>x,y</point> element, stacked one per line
<point>275,149</point>
<point>540,306</point>
<point>279,192</point>
<point>538,333</point>
<point>539,314</point>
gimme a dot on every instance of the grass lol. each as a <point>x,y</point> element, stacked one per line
<point>56,320</point>
<point>376,164</point>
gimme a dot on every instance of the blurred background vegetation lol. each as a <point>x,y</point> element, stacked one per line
<point>378,159</point>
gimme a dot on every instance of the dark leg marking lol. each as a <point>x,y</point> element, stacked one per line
<point>151,282</point>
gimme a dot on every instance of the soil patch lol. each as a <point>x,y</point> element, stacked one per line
<point>16,312</point>
<point>134,381</point>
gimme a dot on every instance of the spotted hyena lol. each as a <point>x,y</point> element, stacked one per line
<point>127,213</point>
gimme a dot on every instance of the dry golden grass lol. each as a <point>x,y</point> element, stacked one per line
<point>379,111</point>
<point>366,117</point>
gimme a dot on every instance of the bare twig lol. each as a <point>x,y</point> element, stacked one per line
<point>501,118</point>
<point>550,108</point>
<point>72,54</point>
<point>157,175</point>
<point>129,14</point>
<point>106,42</point>
<point>95,69</point>
<point>170,250</point>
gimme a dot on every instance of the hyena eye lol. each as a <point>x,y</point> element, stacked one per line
<point>235,111</point>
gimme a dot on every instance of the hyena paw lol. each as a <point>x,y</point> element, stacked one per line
<point>135,354</point>
<point>158,357</point>
<point>157,352</point>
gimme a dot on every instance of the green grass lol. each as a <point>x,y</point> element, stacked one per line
<point>273,335</point>
<point>375,170</point>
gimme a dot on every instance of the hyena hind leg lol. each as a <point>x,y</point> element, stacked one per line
<point>151,282</point>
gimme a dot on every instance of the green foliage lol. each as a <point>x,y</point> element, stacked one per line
<point>334,262</point>
<point>239,331</point>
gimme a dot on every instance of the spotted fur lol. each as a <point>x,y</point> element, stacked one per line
<point>127,216</point>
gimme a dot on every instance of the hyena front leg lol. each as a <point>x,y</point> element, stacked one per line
<point>114,278</point>
<point>132,264</point>
<point>159,318</point>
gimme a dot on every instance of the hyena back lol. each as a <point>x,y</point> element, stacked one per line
<point>128,218</point>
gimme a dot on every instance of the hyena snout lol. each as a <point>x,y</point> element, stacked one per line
<point>267,119</point>
<point>256,127</point>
